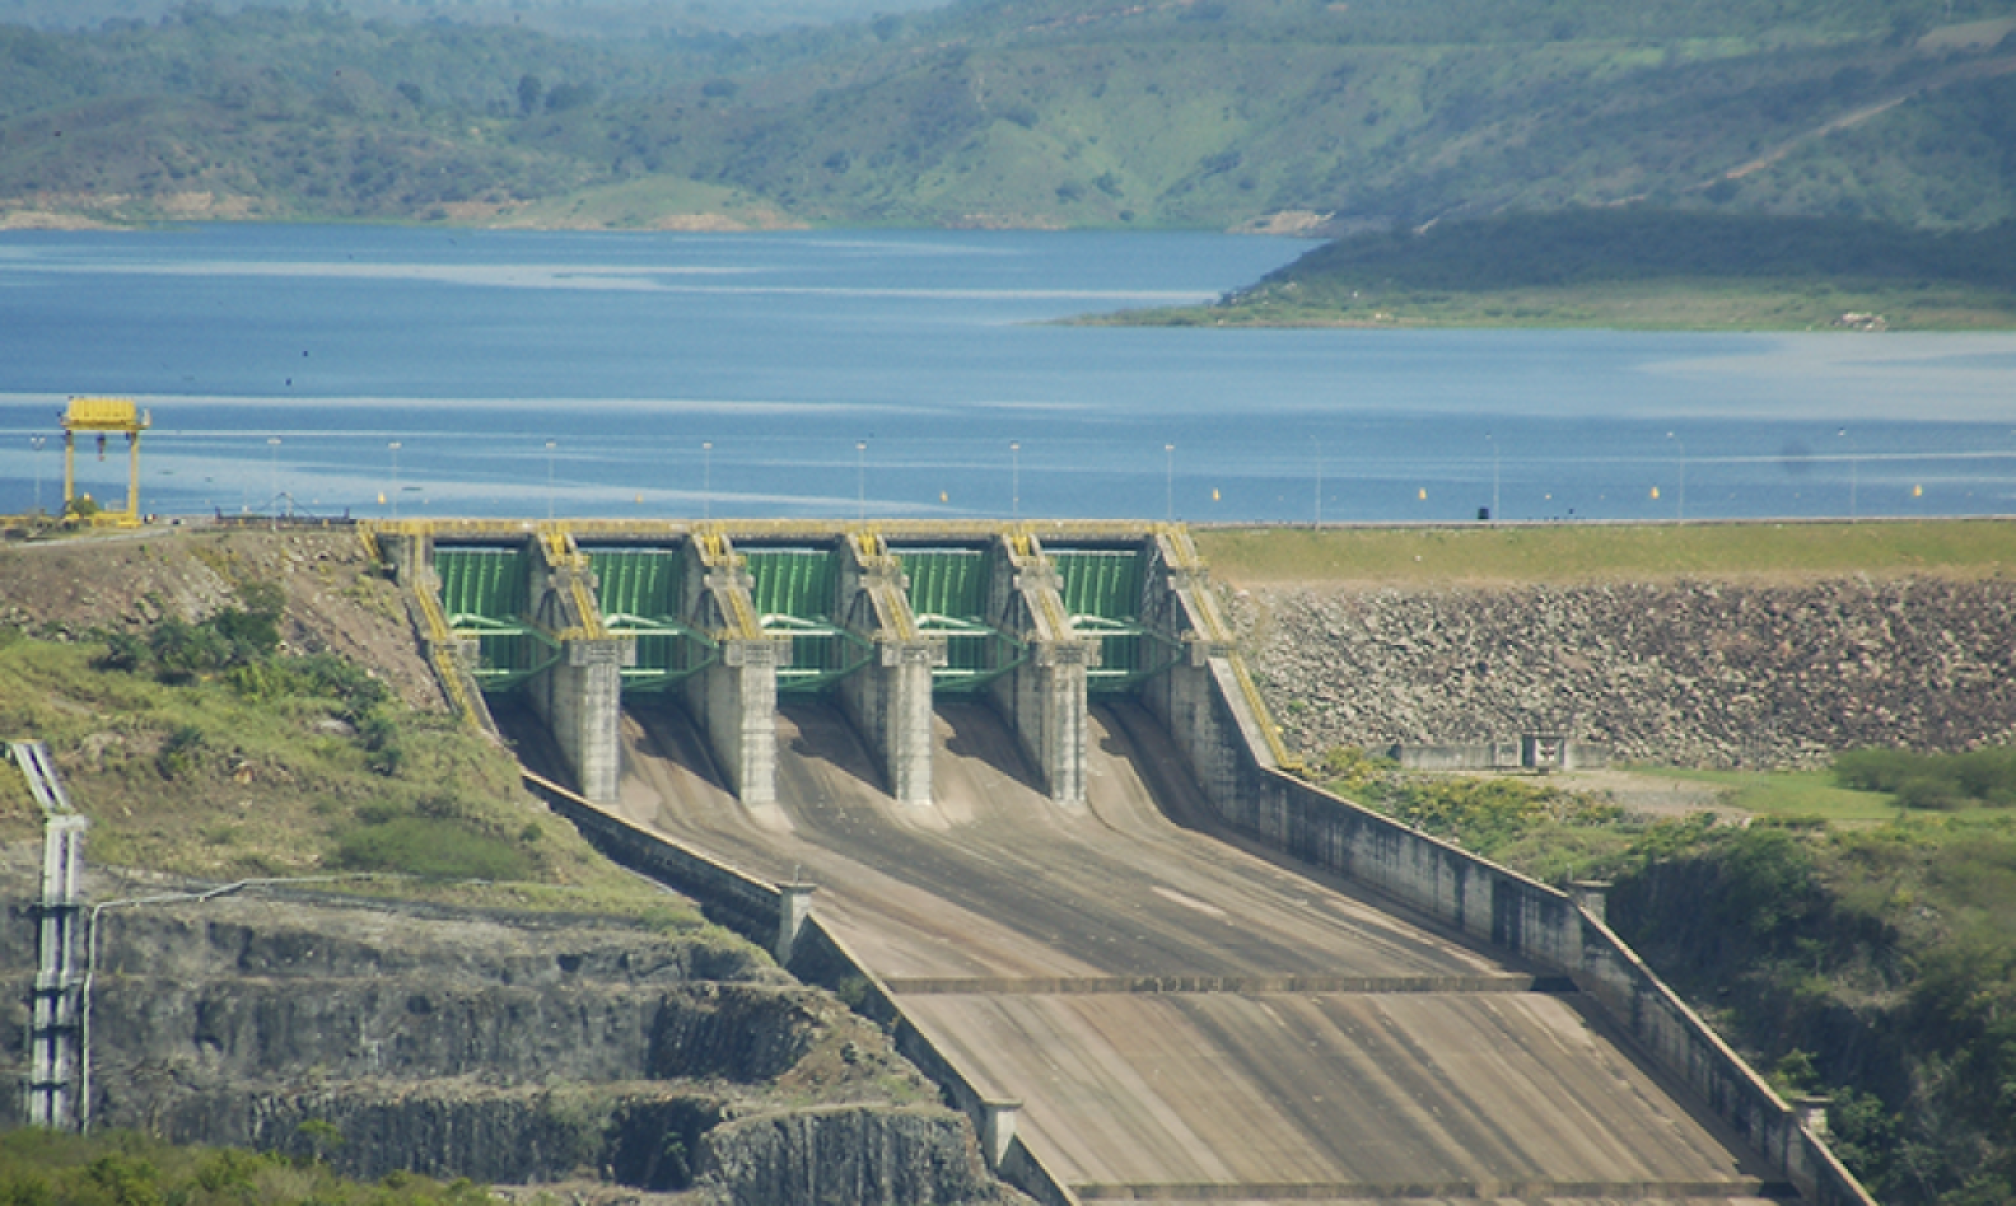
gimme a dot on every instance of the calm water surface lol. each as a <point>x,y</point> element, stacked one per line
<point>913,374</point>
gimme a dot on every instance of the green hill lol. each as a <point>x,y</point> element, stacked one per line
<point>1264,114</point>
<point>1637,266</point>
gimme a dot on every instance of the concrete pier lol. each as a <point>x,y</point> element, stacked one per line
<point>580,694</point>
<point>889,699</point>
<point>735,697</point>
<point>1044,699</point>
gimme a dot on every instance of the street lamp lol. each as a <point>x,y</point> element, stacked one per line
<point>1169,481</point>
<point>394,447</point>
<point>36,443</point>
<point>273,480</point>
<point>861,480</point>
<point>1319,483</point>
<point>549,480</point>
<point>707,479</point>
<point>1681,506</point>
<point>1494,474</point>
<point>1015,479</point>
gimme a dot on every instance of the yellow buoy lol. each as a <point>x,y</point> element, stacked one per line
<point>1424,494</point>
<point>1655,491</point>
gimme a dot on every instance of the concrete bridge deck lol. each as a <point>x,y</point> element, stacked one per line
<point>1184,1018</point>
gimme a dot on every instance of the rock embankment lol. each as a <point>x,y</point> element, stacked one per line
<point>1692,673</point>
<point>516,1049</point>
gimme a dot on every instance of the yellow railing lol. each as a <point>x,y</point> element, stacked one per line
<point>563,554</point>
<point>1270,731</point>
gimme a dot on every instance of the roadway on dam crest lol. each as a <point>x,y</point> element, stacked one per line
<point>1184,1018</point>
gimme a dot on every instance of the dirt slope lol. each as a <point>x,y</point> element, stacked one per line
<point>336,602</point>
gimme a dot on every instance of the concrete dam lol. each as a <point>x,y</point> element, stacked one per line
<point>1009,791</point>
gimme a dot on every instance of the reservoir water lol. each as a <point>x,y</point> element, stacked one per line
<point>368,370</point>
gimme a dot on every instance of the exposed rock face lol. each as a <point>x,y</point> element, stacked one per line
<point>1690,673</point>
<point>842,1154</point>
<point>502,1048</point>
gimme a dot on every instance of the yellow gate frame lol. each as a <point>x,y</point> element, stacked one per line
<point>104,415</point>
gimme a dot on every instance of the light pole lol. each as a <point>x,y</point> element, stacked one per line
<point>861,480</point>
<point>1319,483</point>
<point>1494,475</point>
<point>1015,479</point>
<point>1854,474</point>
<point>1680,509</point>
<point>273,480</point>
<point>394,448</point>
<point>1169,482</point>
<point>36,443</point>
<point>706,479</point>
<point>549,479</point>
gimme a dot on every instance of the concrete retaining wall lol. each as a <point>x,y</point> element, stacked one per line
<point>730,898</point>
<point>1207,711</point>
<point>1495,755</point>
<point>774,918</point>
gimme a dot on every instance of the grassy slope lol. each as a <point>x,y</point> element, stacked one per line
<point>1417,556</point>
<point>1637,267</point>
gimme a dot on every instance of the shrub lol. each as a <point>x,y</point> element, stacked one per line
<point>430,848</point>
<point>182,651</point>
<point>1769,881</point>
<point>1930,792</point>
<point>1941,782</point>
<point>180,753</point>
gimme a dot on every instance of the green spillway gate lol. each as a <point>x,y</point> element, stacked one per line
<point>1102,593</point>
<point>485,596</point>
<point>640,593</point>
<point>948,595</point>
<point>792,590</point>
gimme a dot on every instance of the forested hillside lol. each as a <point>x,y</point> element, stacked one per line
<point>1267,114</point>
<point>583,18</point>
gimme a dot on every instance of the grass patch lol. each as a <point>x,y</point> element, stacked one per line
<point>1559,553</point>
<point>1852,945</point>
<point>271,768</point>
<point>1638,267</point>
<point>1787,795</point>
<point>122,1168</point>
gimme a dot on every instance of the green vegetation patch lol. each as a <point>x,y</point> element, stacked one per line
<point>122,1168</point>
<point>197,752</point>
<point>1559,553</point>
<point>1636,267</point>
<point>1787,795</point>
<point>1870,961</point>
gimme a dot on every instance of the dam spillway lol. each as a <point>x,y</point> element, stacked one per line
<point>1039,807</point>
<point>577,616</point>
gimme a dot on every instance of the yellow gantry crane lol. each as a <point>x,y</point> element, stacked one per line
<point>104,416</point>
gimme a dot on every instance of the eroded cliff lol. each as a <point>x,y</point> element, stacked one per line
<point>505,1048</point>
